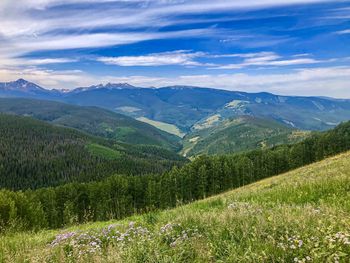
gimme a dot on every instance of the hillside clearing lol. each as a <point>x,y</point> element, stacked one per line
<point>167,127</point>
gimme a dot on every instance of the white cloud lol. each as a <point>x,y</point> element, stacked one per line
<point>266,59</point>
<point>179,57</point>
<point>289,62</point>
<point>188,58</point>
<point>343,32</point>
<point>8,62</point>
<point>301,55</point>
<point>44,61</point>
<point>32,43</point>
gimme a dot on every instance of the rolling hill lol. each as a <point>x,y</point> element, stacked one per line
<point>93,120</point>
<point>36,154</point>
<point>215,136</point>
<point>299,216</point>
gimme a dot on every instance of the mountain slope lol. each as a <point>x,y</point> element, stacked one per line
<point>35,154</point>
<point>215,136</point>
<point>92,120</point>
<point>300,216</point>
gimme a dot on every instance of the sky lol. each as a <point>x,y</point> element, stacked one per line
<point>288,47</point>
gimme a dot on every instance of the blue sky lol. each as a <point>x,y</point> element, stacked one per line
<point>299,47</point>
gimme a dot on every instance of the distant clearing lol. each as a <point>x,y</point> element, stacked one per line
<point>103,152</point>
<point>170,128</point>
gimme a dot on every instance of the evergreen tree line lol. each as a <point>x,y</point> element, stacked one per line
<point>121,195</point>
<point>34,154</point>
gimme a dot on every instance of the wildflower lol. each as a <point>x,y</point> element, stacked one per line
<point>62,237</point>
<point>168,227</point>
<point>300,243</point>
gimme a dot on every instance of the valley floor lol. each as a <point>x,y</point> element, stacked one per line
<point>300,216</point>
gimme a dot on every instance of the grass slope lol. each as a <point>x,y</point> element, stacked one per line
<point>216,136</point>
<point>300,216</point>
<point>93,120</point>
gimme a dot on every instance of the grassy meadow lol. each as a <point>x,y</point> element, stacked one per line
<point>300,216</point>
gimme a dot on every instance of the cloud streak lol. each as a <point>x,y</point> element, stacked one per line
<point>189,58</point>
<point>179,57</point>
<point>343,32</point>
<point>35,21</point>
<point>266,59</point>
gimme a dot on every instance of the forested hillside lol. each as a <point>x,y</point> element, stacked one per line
<point>35,154</point>
<point>122,195</point>
<point>93,120</point>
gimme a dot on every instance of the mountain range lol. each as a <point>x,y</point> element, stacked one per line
<point>184,106</point>
<point>203,116</point>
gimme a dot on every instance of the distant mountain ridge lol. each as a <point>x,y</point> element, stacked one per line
<point>187,106</point>
<point>109,86</point>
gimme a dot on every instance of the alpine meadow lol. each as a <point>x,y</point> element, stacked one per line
<point>174,131</point>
